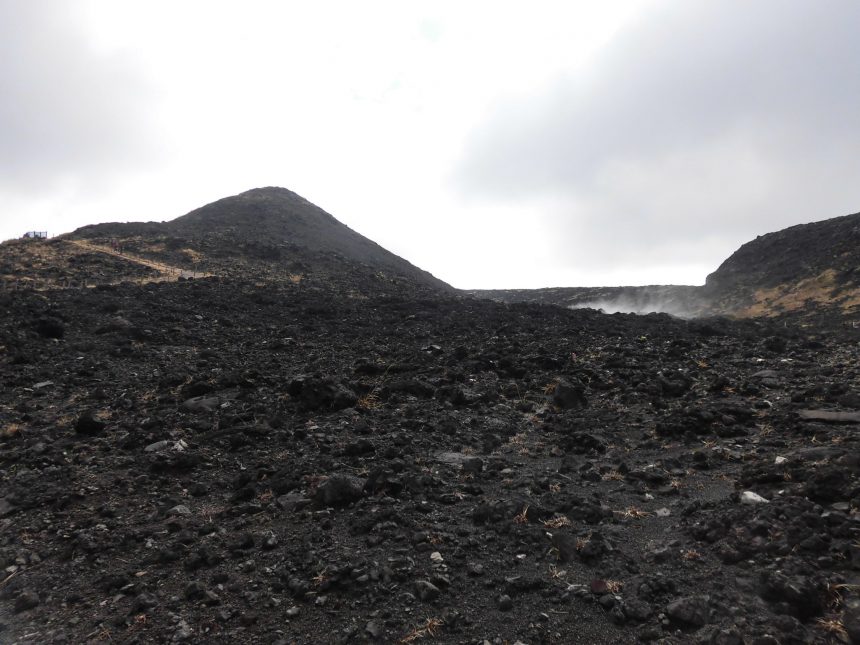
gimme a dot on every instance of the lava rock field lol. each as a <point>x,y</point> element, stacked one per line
<point>224,461</point>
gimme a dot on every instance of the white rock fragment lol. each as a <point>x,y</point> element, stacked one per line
<point>749,497</point>
<point>158,445</point>
<point>436,556</point>
<point>164,444</point>
<point>780,460</point>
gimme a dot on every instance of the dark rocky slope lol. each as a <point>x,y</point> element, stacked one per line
<point>223,461</point>
<point>801,268</point>
<point>260,231</point>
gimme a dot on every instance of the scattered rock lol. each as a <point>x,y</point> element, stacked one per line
<point>749,497</point>
<point>27,599</point>
<point>426,590</point>
<point>338,491</point>
<point>88,424</point>
<point>691,610</point>
<point>569,396</point>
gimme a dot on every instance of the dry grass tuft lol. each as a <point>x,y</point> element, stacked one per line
<point>690,554</point>
<point>522,517</point>
<point>557,522</point>
<point>518,439</point>
<point>321,577</point>
<point>368,402</point>
<point>833,625</point>
<point>10,430</point>
<point>582,542</point>
<point>632,511</point>
<point>429,628</point>
<point>836,594</point>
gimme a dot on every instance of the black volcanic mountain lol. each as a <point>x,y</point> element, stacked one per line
<point>272,227</point>
<point>801,267</point>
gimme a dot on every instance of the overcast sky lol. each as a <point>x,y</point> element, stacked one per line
<point>495,144</point>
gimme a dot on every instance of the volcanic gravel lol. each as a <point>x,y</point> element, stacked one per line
<point>219,461</point>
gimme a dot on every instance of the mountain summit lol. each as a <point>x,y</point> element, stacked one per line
<point>280,215</point>
<point>262,230</point>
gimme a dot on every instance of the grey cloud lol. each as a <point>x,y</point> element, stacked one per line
<point>66,112</point>
<point>701,125</point>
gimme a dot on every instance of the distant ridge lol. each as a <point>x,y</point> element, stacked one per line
<point>803,266</point>
<point>809,270</point>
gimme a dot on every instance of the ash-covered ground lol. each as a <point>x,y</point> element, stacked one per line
<point>228,461</point>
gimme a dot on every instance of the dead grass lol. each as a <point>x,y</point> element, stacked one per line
<point>690,555</point>
<point>138,623</point>
<point>522,518</point>
<point>766,430</point>
<point>430,628</point>
<point>65,420</point>
<point>321,577</point>
<point>557,522</point>
<point>794,296</point>
<point>191,255</point>
<point>836,594</point>
<point>368,401</point>
<point>11,430</point>
<point>518,439</point>
<point>832,625</point>
<point>633,512</point>
<point>582,542</point>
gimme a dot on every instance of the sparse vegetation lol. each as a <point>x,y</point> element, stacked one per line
<point>522,516</point>
<point>429,629</point>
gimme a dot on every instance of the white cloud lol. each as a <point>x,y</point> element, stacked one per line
<point>702,125</point>
<point>70,119</point>
<point>587,142</point>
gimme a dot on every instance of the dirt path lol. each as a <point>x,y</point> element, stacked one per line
<point>168,272</point>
